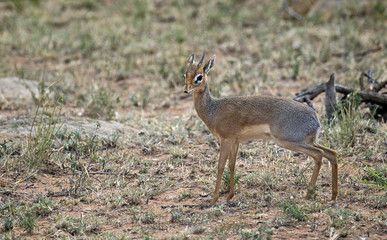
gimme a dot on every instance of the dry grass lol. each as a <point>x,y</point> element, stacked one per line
<point>123,60</point>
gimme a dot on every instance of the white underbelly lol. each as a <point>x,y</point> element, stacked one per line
<point>261,131</point>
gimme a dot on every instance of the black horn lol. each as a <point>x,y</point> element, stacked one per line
<point>201,60</point>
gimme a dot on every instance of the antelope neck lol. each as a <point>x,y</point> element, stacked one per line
<point>205,105</point>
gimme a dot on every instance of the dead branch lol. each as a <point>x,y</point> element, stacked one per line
<point>308,95</point>
<point>379,86</point>
<point>361,81</point>
<point>200,206</point>
<point>375,86</point>
<point>362,54</point>
<point>359,54</point>
<point>375,100</point>
<point>366,95</point>
<point>370,79</point>
<point>330,97</point>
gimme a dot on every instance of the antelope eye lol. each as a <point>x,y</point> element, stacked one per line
<point>198,79</point>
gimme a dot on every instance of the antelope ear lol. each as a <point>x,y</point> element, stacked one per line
<point>209,65</point>
<point>190,59</point>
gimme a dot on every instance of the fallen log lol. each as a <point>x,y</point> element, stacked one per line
<point>366,95</point>
<point>374,99</point>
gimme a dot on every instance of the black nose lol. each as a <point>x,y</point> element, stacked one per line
<point>185,91</point>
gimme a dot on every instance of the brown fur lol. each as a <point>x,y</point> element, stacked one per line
<point>234,120</point>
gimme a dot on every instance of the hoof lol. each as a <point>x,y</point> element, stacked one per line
<point>334,198</point>
<point>308,196</point>
<point>230,196</point>
<point>212,203</point>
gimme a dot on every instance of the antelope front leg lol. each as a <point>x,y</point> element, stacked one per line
<point>225,148</point>
<point>231,165</point>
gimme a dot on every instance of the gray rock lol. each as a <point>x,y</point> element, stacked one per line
<point>21,127</point>
<point>17,93</point>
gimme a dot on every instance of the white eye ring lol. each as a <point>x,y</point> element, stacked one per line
<point>198,79</point>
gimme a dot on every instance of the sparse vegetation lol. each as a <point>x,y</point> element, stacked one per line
<point>340,219</point>
<point>226,180</point>
<point>349,122</point>
<point>149,174</point>
<point>25,215</point>
<point>76,226</point>
<point>102,104</point>
<point>46,123</point>
<point>264,232</point>
<point>377,177</point>
<point>292,210</point>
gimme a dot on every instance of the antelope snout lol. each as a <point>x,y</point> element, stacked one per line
<point>186,89</point>
<point>189,92</point>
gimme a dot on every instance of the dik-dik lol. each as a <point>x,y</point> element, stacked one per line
<point>234,120</point>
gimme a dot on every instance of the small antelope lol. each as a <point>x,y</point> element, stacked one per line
<point>234,120</point>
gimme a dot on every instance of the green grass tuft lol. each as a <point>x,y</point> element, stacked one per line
<point>293,210</point>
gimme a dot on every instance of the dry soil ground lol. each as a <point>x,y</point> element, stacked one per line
<point>111,148</point>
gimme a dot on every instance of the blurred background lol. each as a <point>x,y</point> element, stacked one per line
<point>131,54</point>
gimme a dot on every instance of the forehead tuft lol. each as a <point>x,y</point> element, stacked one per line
<point>192,68</point>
